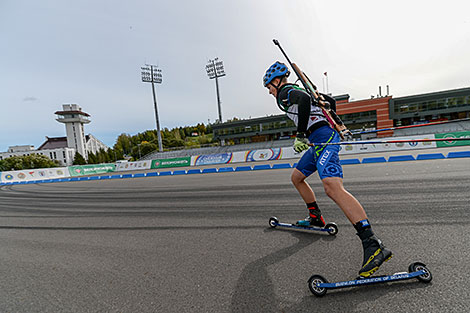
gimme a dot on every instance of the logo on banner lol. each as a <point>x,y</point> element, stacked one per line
<point>221,158</point>
<point>21,175</point>
<point>9,176</point>
<point>262,155</point>
<point>42,173</point>
<point>449,136</point>
<point>60,172</point>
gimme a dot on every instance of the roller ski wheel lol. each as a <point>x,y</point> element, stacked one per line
<point>332,229</point>
<point>273,222</point>
<point>313,285</point>
<point>418,266</point>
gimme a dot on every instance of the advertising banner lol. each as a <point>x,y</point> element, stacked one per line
<point>34,174</point>
<point>289,153</point>
<point>263,155</point>
<point>451,143</point>
<point>130,166</point>
<point>174,162</point>
<point>238,156</point>
<point>79,170</point>
<point>386,147</point>
<point>220,158</point>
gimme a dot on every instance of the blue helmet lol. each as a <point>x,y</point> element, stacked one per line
<point>278,69</point>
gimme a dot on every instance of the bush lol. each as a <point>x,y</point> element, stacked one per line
<point>25,162</point>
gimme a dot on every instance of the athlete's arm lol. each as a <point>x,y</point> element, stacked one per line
<point>303,101</point>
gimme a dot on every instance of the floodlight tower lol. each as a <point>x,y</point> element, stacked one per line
<point>215,69</point>
<point>152,74</point>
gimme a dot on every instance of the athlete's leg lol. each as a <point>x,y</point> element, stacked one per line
<point>314,217</point>
<point>331,174</point>
<point>304,189</point>
<point>347,202</point>
<point>305,167</point>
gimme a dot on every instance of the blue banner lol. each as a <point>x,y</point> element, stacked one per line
<point>221,158</point>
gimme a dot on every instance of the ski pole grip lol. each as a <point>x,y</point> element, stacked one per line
<point>276,42</point>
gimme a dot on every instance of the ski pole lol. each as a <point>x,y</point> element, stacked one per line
<point>378,142</point>
<point>358,132</point>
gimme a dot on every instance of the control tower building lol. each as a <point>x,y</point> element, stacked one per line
<point>74,118</point>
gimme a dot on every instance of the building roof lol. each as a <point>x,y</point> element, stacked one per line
<point>72,112</point>
<point>434,95</point>
<point>54,143</point>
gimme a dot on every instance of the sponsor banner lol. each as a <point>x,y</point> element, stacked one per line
<point>289,153</point>
<point>130,166</point>
<point>238,156</point>
<point>451,143</point>
<point>34,174</point>
<point>385,147</point>
<point>220,158</point>
<point>79,170</point>
<point>263,155</point>
<point>174,162</point>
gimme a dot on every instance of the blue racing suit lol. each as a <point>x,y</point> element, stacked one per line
<point>309,119</point>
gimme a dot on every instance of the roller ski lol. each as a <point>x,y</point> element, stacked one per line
<point>306,224</point>
<point>318,285</point>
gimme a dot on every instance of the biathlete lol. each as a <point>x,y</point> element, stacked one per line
<point>313,126</point>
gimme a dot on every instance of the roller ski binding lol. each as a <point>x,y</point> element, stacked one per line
<point>318,285</point>
<point>330,228</point>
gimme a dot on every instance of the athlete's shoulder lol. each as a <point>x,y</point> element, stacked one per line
<point>283,94</point>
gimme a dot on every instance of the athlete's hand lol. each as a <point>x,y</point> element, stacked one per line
<point>300,143</point>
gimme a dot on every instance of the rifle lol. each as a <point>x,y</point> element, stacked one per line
<point>330,115</point>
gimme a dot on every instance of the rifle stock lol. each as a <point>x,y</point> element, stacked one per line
<point>331,116</point>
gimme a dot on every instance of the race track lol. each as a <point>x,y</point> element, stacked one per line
<point>201,243</point>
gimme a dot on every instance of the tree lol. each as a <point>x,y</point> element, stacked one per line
<point>78,159</point>
<point>177,137</point>
<point>143,149</point>
<point>92,159</point>
<point>124,143</point>
<point>24,162</point>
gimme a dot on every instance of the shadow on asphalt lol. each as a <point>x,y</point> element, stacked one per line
<point>254,291</point>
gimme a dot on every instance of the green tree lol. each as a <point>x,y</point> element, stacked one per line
<point>104,155</point>
<point>127,145</point>
<point>78,159</point>
<point>143,149</point>
<point>124,143</point>
<point>27,162</point>
<point>92,159</point>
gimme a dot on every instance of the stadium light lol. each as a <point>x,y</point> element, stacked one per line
<point>215,69</point>
<point>152,74</point>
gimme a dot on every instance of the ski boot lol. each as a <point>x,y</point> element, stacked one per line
<point>375,254</point>
<point>314,218</point>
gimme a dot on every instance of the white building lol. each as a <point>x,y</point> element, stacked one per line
<point>63,154</point>
<point>63,149</point>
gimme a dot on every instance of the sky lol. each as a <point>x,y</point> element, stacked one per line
<point>89,52</point>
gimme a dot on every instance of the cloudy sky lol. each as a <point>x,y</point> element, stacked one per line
<point>90,52</point>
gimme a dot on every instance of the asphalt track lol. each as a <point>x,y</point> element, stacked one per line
<point>201,243</point>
